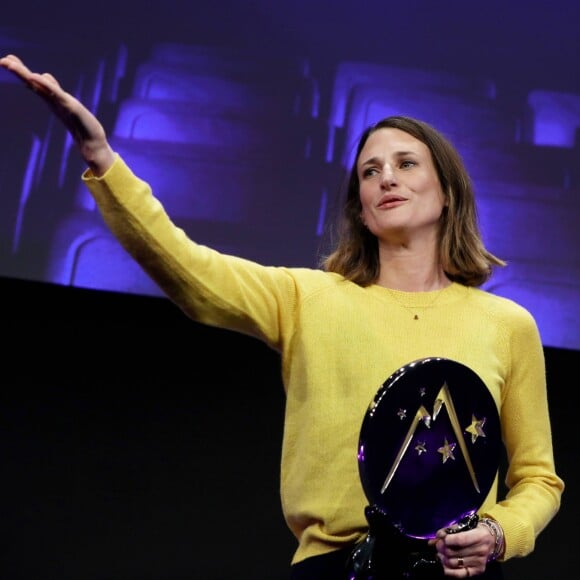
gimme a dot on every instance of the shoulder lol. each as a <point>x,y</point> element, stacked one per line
<point>499,304</point>
<point>313,280</point>
<point>321,289</point>
<point>504,310</point>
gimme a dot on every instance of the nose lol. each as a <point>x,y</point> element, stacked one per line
<point>388,178</point>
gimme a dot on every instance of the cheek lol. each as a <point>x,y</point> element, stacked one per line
<point>365,213</point>
<point>365,197</point>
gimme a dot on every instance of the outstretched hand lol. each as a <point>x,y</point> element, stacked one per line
<point>84,127</point>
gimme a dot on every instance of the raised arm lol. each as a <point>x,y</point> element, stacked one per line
<point>84,127</point>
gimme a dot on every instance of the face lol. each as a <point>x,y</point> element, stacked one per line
<point>400,191</point>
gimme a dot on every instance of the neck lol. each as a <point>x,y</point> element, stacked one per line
<point>413,283</point>
<point>411,271</point>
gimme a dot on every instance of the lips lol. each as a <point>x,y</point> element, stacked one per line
<point>390,200</point>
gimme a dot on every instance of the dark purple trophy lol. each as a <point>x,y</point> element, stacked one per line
<point>429,451</point>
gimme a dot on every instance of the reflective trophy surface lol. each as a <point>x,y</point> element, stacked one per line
<point>428,454</point>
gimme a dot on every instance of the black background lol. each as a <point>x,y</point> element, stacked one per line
<point>138,444</point>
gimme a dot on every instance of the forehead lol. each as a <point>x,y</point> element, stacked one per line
<point>390,141</point>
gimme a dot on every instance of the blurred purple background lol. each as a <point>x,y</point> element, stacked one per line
<point>242,116</point>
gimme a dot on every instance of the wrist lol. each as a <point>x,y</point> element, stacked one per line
<point>99,157</point>
<point>496,531</point>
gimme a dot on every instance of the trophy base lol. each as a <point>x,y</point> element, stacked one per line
<point>386,553</point>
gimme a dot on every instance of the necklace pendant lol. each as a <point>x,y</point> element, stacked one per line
<point>416,317</point>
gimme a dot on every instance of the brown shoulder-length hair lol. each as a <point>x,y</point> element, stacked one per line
<point>463,255</point>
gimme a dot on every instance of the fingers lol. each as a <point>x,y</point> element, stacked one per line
<point>45,83</point>
<point>15,65</point>
<point>10,60</point>
<point>462,566</point>
<point>456,562</point>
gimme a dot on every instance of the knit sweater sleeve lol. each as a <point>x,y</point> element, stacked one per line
<point>534,490</point>
<point>210,287</point>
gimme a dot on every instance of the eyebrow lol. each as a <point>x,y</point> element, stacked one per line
<point>375,159</point>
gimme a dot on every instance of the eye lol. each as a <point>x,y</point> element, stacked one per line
<point>407,164</point>
<point>370,172</point>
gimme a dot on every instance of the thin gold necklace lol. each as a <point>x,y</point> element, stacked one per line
<point>430,304</point>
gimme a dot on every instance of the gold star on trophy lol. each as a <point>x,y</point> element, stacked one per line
<point>447,450</point>
<point>476,428</point>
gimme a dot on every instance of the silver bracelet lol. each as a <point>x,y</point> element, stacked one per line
<point>497,532</point>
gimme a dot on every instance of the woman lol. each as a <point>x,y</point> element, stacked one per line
<point>401,284</point>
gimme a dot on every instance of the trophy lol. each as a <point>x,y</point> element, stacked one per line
<point>428,454</point>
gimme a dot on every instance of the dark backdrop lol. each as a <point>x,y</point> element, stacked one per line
<point>136,444</point>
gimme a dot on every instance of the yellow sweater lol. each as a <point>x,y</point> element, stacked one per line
<point>338,343</point>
